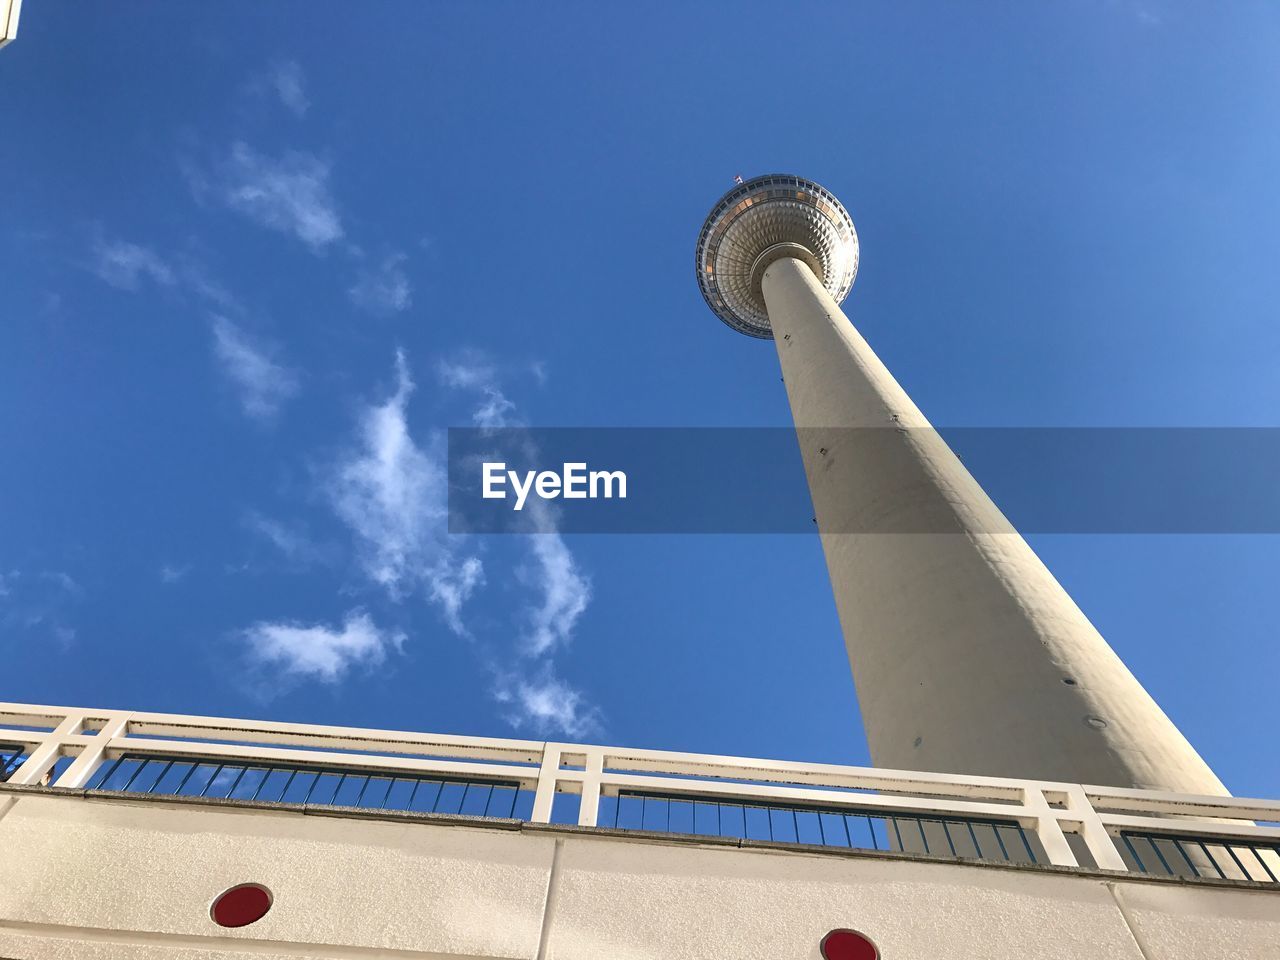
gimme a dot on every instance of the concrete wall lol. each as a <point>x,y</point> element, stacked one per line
<point>96,879</point>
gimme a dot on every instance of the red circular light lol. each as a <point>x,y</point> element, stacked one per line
<point>241,905</point>
<point>848,945</point>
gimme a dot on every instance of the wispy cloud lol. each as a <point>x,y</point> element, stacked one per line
<point>170,574</point>
<point>37,604</point>
<point>290,86</point>
<point>547,704</point>
<point>292,541</point>
<point>471,372</point>
<point>263,385</point>
<point>289,193</point>
<point>124,265</point>
<point>383,289</point>
<point>319,652</point>
<point>562,589</point>
<point>392,494</point>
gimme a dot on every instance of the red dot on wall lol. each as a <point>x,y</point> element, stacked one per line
<point>241,905</point>
<point>848,945</point>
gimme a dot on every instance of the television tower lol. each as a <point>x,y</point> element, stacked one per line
<point>968,656</point>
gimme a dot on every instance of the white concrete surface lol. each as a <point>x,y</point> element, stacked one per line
<point>109,879</point>
<point>150,869</point>
<point>960,639</point>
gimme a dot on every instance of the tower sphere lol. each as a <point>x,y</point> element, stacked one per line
<point>760,221</point>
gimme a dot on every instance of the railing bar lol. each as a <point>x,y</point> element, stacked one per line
<point>822,831</point>
<point>439,794</point>
<point>212,778</point>
<point>1030,853</point>
<point>1000,840</point>
<point>946,832</point>
<point>109,772</point>
<point>363,788</point>
<point>1258,857</point>
<point>1177,845</point>
<point>1230,850</point>
<point>152,789</point>
<point>669,814</point>
<point>1163,861</point>
<point>871,828</point>
<point>287,784</point>
<point>129,783</point>
<point>1142,867</point>
<point>243,771</point>
<point>515,795</point>
<point>387,796</point>
<point>923,838</point>
<point>901,846</point>
<point>191,770</point>
<point>617,810</point>
<point>314,780</point>
<point>413,793</point>
<point>1211,859</point>
<point>795,822</point>
<point>974,837</point>
<point>487,802</point>
<point>267,771</point>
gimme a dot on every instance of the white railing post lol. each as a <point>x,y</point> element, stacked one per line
<point>1096,838</point>
<point>1048,829</point>
<point>548,776</point>
<point>82,768</point>
<point>42,759</point>
<point>593,770</point>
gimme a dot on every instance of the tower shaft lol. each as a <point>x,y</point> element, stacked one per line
<point>968,656</point>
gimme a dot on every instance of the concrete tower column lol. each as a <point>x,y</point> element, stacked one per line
<point>968,656</point>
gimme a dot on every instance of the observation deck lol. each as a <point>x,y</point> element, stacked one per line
<point>759,221</point>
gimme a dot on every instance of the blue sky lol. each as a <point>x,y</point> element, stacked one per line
<point>256,258</point>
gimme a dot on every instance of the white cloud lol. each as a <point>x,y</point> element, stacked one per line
<point>450,587</point>
<point>289,194</point>
<point>288,82</point>
<point>263,384</point>
<point>565,593</point>
<point>172,574</point>
<point>546,704</point>
<point>290,539</point>
<point>384,289</point>
<point>123,264</point>
<point>392,494</point>
<point>472,373</point>
<point>318,652</point>
<point>38,603</point>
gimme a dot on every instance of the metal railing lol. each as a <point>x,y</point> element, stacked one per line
<point>307,784</point>
<point>986,818</point>
<point>974,838</point>
<point>1206,857</point>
